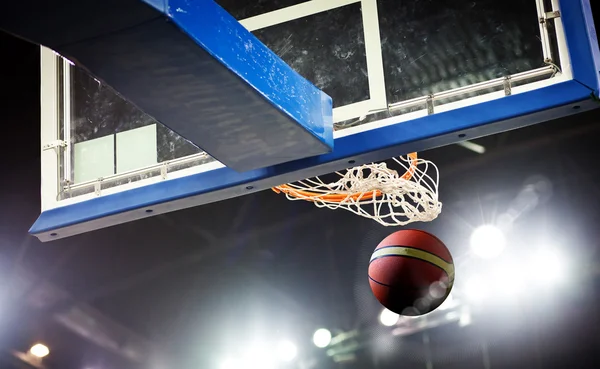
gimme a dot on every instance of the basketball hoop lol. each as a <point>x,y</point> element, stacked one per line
<point>377,192</point>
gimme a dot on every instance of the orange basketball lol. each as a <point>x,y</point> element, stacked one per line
<point>411,272</point>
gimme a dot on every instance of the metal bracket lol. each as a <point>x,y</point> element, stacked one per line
<point>54,145</point>
<point>430,105</point>
<point>98,187</point>
<point>507,86</point>
<point>550,15</point>
<point>67,185</point>
<point>164,170</point>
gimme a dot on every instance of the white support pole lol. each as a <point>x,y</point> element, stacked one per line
<point>293,12</point>
<point>66,119</point>
<point>49,127</point>
<point>563,50</point>
<point>544,37</point>
<point>375,72</point>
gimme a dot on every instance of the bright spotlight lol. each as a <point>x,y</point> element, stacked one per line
<point>487,241</point>
<point>548,267</point>
<point>39,350</point>
<point>322,338</point>
<point>287,351</point>
<point>388,318</point>
<point>465,318</point>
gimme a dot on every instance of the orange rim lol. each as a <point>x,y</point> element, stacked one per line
<point>339,197</point>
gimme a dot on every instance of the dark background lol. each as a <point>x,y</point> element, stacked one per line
<point>184,289</point>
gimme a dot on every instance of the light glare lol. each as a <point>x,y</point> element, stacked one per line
<point>39,350</point>
<point>287,351</point>
<point>487,241</point>
<point>548,267</point>
<point>322,338</point>
<point>509,280</point>
<point>475,289</point>
<point>230,364</point>
<point>388,318</point>
<point>465,319</point>
<point>447,304</point>
<point>258,357</point>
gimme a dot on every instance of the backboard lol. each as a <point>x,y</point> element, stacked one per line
<point>403,76</point>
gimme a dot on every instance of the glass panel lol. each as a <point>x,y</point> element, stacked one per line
<point>136,148</point>
<point>434,46</point>
<point>110,136</point>
<point>328,49</point>
<point>437,46</point>
<point>94,159</point>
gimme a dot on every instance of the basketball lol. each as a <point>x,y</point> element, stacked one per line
<point>411,272</point>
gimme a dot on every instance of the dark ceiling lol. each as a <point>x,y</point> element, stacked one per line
<point>195,283</point>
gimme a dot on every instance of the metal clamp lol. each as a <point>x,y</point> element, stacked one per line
<point>507,86</point>
<point>430,105</point>
<point>98,187</point>
<point>550,15</point>
<point>164,170</point>
<point>54,145</point>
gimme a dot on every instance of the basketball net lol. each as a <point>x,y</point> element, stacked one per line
<point>392,197</point>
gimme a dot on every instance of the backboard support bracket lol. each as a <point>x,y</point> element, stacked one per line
<point>98,187</point>
<point>507,86</point>
<point>430,105</point>
<point>549,16</point>
<point>54,145</point>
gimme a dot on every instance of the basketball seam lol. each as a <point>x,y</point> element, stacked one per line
<point>415,258</point>
<point>448,268</point>
<point>414,248</point>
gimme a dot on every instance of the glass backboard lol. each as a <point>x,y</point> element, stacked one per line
<point>402,77</point>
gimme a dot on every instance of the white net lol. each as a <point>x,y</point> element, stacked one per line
<point>392,197</point>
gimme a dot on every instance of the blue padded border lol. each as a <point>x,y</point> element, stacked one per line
<point>202,19</point>
<point>379,144</point>
<point>582,42</point>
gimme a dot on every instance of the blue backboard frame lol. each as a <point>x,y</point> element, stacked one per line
<point>532,107</point>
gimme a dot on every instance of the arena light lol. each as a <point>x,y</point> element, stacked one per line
<point>322,338</point>
<point>487,241</point>
<point>465,318</point>
<point>388,318</point>
<point>287,351</point>
<point>39,350</point>
<point>476,148</point>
